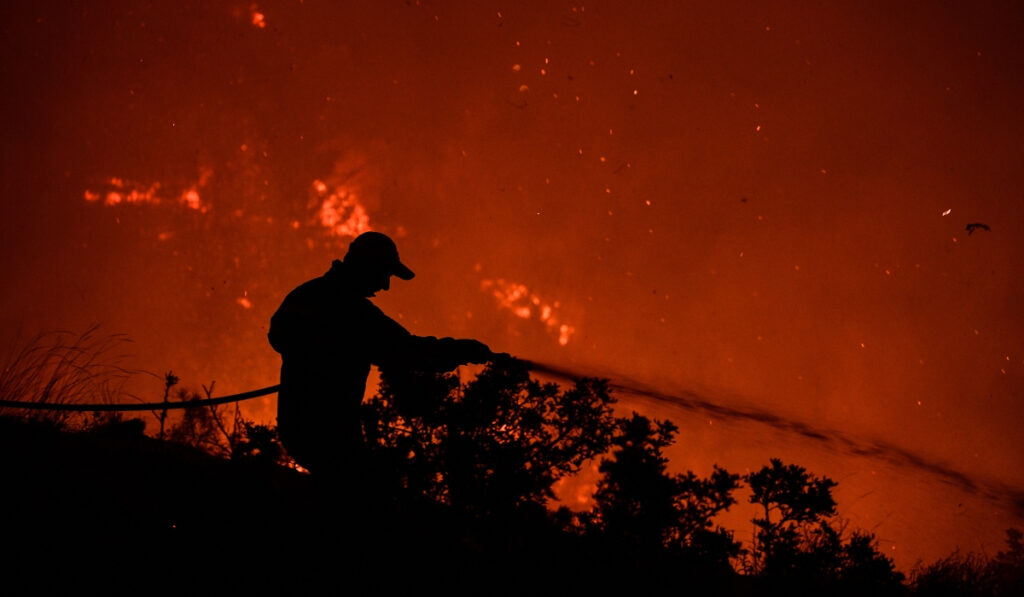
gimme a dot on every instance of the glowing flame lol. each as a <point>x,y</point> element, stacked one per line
<point>564,333</point>
<point>191,199</point>
<point>518,299</point>
<point>117,190</point>
<point>340,210</point>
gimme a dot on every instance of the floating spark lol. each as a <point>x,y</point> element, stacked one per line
<point>518,299</point>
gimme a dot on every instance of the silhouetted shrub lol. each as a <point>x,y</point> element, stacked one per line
<point>956,574</point>
<point>495,443</point>
<point>258,444</point>
<point>199,427</point>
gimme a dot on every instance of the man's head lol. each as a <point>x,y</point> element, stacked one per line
<point>372,259</point>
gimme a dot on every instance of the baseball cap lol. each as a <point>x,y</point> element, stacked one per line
<point>377,250</point>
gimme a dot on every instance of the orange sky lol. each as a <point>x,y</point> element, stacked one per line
<point>744,201</point>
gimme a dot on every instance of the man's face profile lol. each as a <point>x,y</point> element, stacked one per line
<point>369,280</point>
<point>381,281</point>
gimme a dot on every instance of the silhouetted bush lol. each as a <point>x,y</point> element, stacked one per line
<point>971,574</point>
<point>499,442</point>
<point>959,573</point>
<point>257,444</point>
<point>466,472</point>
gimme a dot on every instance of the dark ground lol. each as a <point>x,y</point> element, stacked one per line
<point>116,510</point>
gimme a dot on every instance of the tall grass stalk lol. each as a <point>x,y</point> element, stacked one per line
<point>63,367</point>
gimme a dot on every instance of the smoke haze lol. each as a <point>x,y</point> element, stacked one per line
<point>765,204</point>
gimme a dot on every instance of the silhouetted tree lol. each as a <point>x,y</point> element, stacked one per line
<point>797,546</point>
<point>793,537</point>
<point>698,501</point>
<point>641,508</point>
<point>1007,568</point>
<point>635,498</point>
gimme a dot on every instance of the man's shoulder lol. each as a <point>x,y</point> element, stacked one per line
<point>322,291</point>
<point>315,286</point>
<point>319,288</point>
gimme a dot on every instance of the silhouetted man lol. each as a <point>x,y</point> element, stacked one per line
<point>329,333</point>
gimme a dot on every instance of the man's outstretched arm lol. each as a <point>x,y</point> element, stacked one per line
<point>395,347</point>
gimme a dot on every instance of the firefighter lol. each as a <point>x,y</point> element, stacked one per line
<point>329,333</point>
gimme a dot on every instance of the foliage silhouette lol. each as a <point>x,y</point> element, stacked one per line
<point>797,545</point>
<point>197,427</point>
<point>971,574</point>
<point>1007,568</point>
<point>959,573</point>
<point>497,443</point>
<point>470,470</point>
<point>801,505</point>
<point>865,570</point>
<point>644,514</point>
<point>257,444</point>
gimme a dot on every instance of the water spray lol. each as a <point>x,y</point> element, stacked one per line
<point>833,439</point>
<point>688,401</point>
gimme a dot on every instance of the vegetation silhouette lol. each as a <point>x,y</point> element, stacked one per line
<point>973,575</point>
<point>797,545</point>
<point>464,475</point>
<point>656,526</point>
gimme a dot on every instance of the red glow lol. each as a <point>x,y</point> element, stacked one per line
<point>761,205</point>
<point>258,18</point>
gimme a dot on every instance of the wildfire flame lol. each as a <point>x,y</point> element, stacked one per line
<point>339,210</point>
<point>526,305</point>
<point>259,20</point>
<point>116,190</point>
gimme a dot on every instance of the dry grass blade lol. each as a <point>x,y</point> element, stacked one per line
<point>65,368</point>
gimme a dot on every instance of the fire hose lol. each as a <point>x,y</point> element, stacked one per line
<point>108,407</point>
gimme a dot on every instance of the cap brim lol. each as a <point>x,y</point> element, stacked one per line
<point>403,272</point>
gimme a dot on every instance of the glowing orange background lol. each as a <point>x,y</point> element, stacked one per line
<point>744,200</point>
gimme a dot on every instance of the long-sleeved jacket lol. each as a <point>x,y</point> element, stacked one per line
<point>328,336</point>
